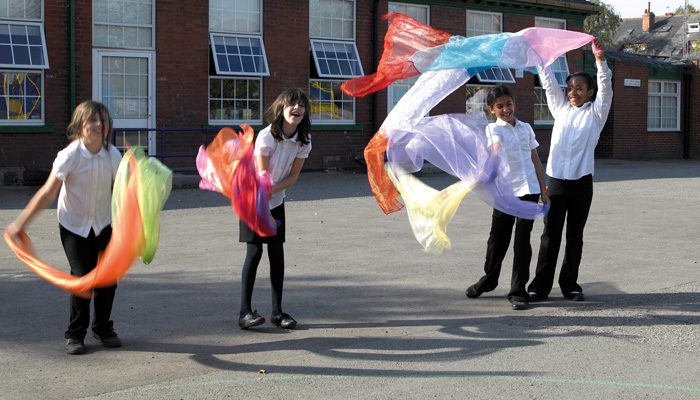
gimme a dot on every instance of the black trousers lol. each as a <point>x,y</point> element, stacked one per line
<point>82,256</point>
<point>497,246</point>
<point>571,202</point>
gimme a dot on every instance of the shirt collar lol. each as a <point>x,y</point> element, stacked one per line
<point>86,153</point>
<point>501,122</point>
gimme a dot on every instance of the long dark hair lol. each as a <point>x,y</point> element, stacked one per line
<point>589,81</point>
<point>274,115</point>
<point>496,92</point>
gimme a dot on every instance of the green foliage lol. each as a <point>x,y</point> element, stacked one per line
<point>691,10</point>
<point>604,24</point>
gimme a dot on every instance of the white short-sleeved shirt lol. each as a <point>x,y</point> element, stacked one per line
<point>517,142</point>
<point>282,155</point>
<point>84,201</point>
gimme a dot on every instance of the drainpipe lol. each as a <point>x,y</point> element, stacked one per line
<point>72,55</point>
<point>687,80</point>
<point>375,61</point>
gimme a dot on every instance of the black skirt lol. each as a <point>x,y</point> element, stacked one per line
<point>245,234</point>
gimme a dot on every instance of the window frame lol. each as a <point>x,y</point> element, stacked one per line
<point>250,121</point>
<point>41,13</point>
<point>354,23</point>
<point>662,95</point>
<point>409,82</point>
<point>24,122</point>
<point>45,55</point>
<point>213,35</point>
<point>483,76</point>
<point>476,88</point>
<point>151,26</point>
<point>331,121</point>
<point>259,32</point>
<point>538,89</point>
<point>331,75</point>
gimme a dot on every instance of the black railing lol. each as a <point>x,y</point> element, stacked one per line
<point>170,138</point>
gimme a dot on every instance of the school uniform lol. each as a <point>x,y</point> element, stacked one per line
<point>570,167</point>
<point>85,215</point>
<point>517,143</point>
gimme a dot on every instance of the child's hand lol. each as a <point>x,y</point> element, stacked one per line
<point>598,50</point>
<point>13,229</point>
<point>545,198</point>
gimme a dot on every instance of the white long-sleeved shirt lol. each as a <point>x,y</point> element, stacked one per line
<point>517,142</point>
<point>85,199</point>
<point>576,129</point>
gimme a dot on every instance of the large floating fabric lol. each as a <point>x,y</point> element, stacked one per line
<point>455,143</point>
<point>128,233</point>
<point>227,166</point>
<point>156,185</point>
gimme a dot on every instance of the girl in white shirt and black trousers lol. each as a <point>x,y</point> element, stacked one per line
<point>84,173</point>
<point>515,141</point>
<point>579,117</point>
<point>281,149</point>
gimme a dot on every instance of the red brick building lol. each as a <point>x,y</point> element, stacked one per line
<point>175,69</point>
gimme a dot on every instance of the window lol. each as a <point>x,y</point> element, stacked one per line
<point>239,61</point>
<point>663,112</point>
<point>398,89</point>
<point>560,68</point>
<point>694,27</point>
<point>483,23</point>
<point>23,59</point>
<point>123,24</point>
<point>333,49</point>
<point>476,100</point>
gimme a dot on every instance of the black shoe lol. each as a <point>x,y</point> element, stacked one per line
<point>518,304</point>
<point>533,297</point>
<point>75,346</point>
<point>283,321</point>
<point>251,319</point>
<point>575,296</point>
<point>472,293</point>
<point>109,339</point>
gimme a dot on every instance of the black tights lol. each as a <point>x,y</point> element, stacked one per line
<point>275,252</point>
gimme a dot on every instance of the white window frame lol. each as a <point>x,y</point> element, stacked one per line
<point>480,104</point>
<point>331,121</point>
<point>560,74</point>
<point>264,72</point>
<point>315,5</point>
<point>331,37</point>
<point>395,87</point>
<point>483,76</point>
<point>220,12</point>
<point>27,69</point>
<point>662,116</point>
<point>41,13</point>
<point>45,64</point>
<point>109,25</point>
<point>314,48</point>
<point>42,100</point>
<point>241,116</point>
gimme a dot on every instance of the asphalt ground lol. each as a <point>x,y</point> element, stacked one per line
<point>378,318</point>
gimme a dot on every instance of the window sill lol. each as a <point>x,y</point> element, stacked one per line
<point>44,128</point>
<point>236,126</point>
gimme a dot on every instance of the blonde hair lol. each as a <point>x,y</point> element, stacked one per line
<point>84,113</point>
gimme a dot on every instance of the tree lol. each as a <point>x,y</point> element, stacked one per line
<point>604,24</point>
<point>691,10</point>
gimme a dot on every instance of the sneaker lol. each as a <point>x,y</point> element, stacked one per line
<point>518,304</point>
<point>75,346</point>
<point>533,297</point>
<point>109,339</point>
<point>251,319</point>
<point>472,293</point>
<point>575,296</point>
